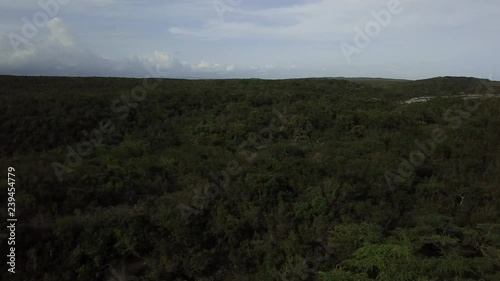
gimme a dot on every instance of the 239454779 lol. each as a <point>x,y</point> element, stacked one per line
<point>11,220</point>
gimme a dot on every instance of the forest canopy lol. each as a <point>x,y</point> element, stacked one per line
<point>248,179</point>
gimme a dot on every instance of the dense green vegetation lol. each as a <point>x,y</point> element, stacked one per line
<point>252,179</point>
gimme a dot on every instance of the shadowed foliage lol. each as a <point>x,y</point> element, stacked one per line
<point>251,179</point>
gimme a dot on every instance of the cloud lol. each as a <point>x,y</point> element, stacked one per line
<point>165,61</point>
<point>59,33</point>
<point>296,37</point>
<point>317,20</point>
<point>61,53</point>
<point>205,65</point>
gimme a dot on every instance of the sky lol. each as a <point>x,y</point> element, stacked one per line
<point>408,39</point>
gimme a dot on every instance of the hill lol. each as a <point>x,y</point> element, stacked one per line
<point>249,179</point>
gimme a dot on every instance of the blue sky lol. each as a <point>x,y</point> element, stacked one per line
<point>243,38</point>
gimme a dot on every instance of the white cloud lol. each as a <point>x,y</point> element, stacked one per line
<point>110,37</point>
<point>205,65</point>
<point>163,60</point>
<point>318,20</point>
<point>60,33</point>
<point>59,52</point>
